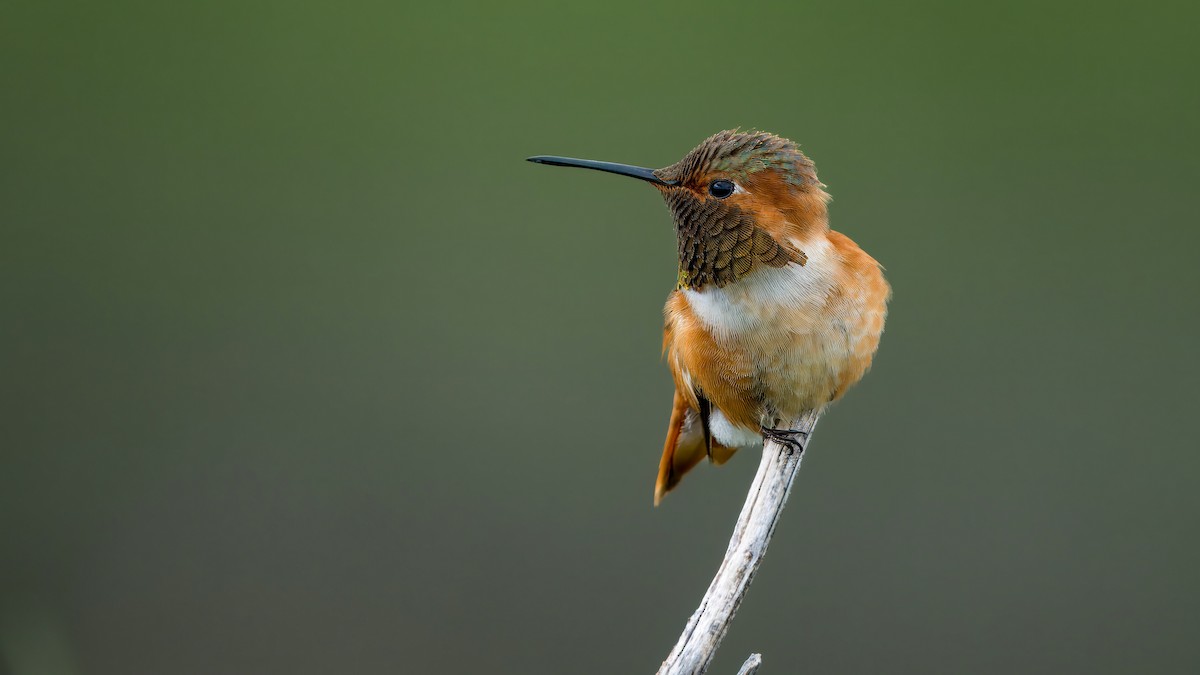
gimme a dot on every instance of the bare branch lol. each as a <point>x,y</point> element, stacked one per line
<point>764,503</point>
<point>750,667</point>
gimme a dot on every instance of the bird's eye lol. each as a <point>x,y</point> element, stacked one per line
<point>721,188</point>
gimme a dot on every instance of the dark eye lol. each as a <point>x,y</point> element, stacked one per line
<point>721,188</point>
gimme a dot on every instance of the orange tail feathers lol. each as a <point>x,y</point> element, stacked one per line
<point>684,448</point>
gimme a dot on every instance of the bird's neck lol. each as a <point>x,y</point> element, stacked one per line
<point>721,244</point>
<point>770,297</point>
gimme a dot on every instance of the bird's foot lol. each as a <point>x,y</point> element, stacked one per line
<point>792,439</point>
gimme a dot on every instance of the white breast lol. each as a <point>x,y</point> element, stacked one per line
<point>769,298</point>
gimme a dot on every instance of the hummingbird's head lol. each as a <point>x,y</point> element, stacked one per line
<point>740,201</point>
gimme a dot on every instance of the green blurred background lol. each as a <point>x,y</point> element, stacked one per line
<point>306,371</point>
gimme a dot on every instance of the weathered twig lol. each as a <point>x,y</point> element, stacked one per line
<point>750,667</point>
<point>764,503</point>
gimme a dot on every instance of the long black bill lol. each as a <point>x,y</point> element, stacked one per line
<point>610,167</point>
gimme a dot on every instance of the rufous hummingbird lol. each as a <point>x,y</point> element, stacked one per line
<point>774,314</point>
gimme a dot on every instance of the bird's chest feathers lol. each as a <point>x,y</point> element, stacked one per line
<point>769,303</point>
<point>777,337</point>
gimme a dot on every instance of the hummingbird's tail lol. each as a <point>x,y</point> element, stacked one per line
<point>686,445</point>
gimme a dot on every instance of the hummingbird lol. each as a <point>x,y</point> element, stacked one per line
<point>773,314</point>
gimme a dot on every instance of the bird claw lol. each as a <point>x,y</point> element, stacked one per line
<point>792,439</point>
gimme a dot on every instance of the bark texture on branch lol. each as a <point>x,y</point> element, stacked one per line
<point>764,503</point>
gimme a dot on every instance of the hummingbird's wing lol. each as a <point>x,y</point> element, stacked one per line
<point>688,442</point>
